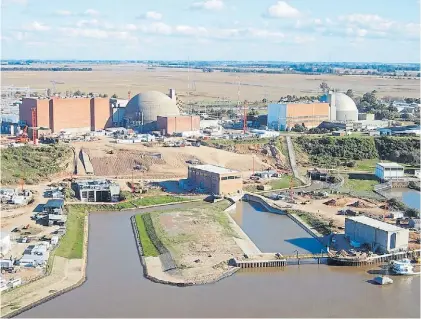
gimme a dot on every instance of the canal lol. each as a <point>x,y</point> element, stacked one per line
<point>115,285</point>
<point>285,236</point>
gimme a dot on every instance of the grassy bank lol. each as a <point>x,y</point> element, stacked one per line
<point>71,244</point>
<point>33,164</point>
<point>317,223</point>
<point>276,184</point>
<point>149,250</point>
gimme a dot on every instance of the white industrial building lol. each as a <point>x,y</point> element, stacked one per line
<point>381,237</point>
<point>342,107</point>
<point>387,171</point>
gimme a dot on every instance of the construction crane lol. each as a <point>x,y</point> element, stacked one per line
<point>245,108</point>
<point>23,138</point>
<point>54,85</point>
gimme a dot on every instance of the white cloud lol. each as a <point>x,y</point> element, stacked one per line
<point>84,23</point>
<point>153,15</point>
<point>130,27</point>
<point>212,5</point>
<point>35,43</point>
<point>282,10</point>
<point>5,3</point>
<point>36,26</point>
<point>156,28</point>
<point>63,13</point>
<point>304,39</point>
<point>96,33</point>
<point>150,15</point>
<point>91,12</point>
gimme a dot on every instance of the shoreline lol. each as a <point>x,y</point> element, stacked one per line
<point>45,293</point>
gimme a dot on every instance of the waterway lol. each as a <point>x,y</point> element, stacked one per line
<point>410,197</point>
<point>286,236</point>
<point>115,285</point>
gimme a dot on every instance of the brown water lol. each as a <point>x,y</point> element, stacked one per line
<point>116,287</point>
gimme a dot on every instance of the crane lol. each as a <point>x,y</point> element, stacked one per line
<point>54,85</point>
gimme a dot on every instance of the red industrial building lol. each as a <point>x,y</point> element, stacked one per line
<point>73,114</point>
<point>169,125</point>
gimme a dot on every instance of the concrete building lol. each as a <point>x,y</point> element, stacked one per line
<point>118,111</point>
<point>365,117</point>
<point>169,125</point>
<point>283,116</point>
<point>68,114</point>
<point>215,180</point>
<point>341,107</point>
<point>387,171</point>
<point>143,110</point>
<point>5,243</point>
<point>380,236</point>
<point>99,190</point>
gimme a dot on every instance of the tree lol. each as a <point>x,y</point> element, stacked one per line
<point>105,95</point>
<point>77,93</point>
<point>350,93</point>
<point>48,92</point>
<point>114,96</point>
<point>298,128</point>
<point>264,101</point>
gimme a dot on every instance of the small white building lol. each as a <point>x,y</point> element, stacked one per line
<point>387,171</point>
<point>6,243</point>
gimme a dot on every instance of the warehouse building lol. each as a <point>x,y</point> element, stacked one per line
<point>334,107</point>
<point>284,116</point>
<point>68,114</point>
<point>381,237</point>
<point>387,171</point>
<point>215,180</point>
<point>99,190</point>
<point>169,125</point>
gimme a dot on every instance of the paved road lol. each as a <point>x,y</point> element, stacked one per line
<point>292,160</point>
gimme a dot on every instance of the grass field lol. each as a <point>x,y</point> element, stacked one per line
<point>279,183</point>
<point>148,247</point>
<point>213,86</point>
<point>33,164</point>
<point>71,244</point>
<point>356,184</point>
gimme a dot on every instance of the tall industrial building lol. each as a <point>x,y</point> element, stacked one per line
<point>339,107</point>
<point>70,114</point>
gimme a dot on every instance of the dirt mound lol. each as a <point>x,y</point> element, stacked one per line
<point>337,202</point>
<point>360,204</point>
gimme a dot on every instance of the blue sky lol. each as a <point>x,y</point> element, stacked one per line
<point>290,30</point>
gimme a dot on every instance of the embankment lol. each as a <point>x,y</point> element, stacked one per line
<point>161,277</point>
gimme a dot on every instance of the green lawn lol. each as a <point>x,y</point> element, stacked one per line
<point>360,184</point>
<point>71,244</point>
<point>157,200</point>
<point>149,249</point>
<point>367,165</point>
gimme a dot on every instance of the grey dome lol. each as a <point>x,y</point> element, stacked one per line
<point>346,110</point>
<point>151,104</point>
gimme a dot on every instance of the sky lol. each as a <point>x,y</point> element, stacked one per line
<point>290,30</point>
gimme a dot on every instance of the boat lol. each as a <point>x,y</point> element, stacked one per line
<point>383,280</point>
<point>403,267</point>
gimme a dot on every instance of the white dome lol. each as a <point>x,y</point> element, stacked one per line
<point>346,110</point>
<point>150,104</point>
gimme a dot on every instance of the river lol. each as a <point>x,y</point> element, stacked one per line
<point>115,285</point>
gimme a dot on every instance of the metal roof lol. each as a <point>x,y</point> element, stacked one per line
<point>390,165</point>
<point>214,169</point>
<point>375,223</point>
<point>54,203</point>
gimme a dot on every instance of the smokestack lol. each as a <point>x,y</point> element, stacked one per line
<point>172,94</point>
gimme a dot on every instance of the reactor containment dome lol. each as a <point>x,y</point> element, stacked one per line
<point>342,108</point>
<point>146,107</point>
